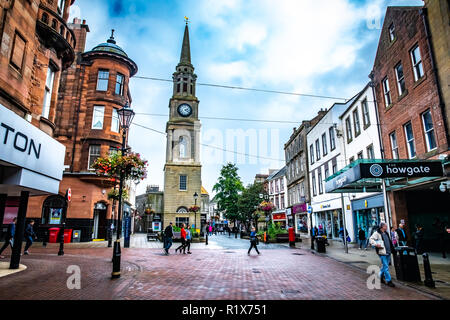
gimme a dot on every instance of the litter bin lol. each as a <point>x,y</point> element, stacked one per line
<point>320,245</point>
<point>76,235</point>
<point>67,235</point>
<point>53,235</point>
<point>406,264</point>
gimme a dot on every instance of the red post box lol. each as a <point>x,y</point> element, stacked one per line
<point>67,235</point>
<point>53,235</point>
<point>291,237</point>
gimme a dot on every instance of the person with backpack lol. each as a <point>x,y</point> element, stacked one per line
<point>383,245</point>
<point>253,241</point>
<point>168,236</point>
<point>9,239</point>
<point>29,236</point>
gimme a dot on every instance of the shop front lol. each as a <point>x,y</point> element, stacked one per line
<point>367,214</point>
<point>327,217</point>
<point>301,218</point>
<point>31,164</point>
<point>280,217</point>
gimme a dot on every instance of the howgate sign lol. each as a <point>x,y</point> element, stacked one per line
<point>401,169</point>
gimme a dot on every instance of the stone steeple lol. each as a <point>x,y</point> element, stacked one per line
<point>185,57</point>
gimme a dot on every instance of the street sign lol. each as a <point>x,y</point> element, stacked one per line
<point>309,209</point>
<point>69,194</point>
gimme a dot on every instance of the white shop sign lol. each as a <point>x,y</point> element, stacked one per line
<point>25,146</point>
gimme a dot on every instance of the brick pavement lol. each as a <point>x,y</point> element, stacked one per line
<point>278,274</point>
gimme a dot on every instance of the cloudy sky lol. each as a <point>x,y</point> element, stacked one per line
<point>319,47</point>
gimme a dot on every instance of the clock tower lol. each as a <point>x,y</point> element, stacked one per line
<point>182,170</point>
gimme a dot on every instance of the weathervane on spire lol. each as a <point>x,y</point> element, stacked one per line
<point>112,33</point>
<point>186,19</point>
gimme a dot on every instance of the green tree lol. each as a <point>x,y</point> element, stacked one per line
<point>248,204</point>
<point>227,189</point>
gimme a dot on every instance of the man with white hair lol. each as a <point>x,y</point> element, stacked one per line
<point>383,245</point>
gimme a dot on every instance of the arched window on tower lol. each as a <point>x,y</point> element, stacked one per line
<point>185,89</point>
<point>183,147</point>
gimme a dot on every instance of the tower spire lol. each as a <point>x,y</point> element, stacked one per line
<point>185,57</point>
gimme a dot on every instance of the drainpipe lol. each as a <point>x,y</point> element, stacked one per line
<point>80,89</point>
<point>423,13</point>
<point>387,211</point>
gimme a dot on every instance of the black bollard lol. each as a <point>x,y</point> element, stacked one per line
<point>313,238</point>
<point>429,282</point>
<point>61,241</point>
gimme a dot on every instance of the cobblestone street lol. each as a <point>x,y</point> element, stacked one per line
<point>222,271</point>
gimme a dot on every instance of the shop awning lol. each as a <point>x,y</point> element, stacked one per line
<point>365,175</point>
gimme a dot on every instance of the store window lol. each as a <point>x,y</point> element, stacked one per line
<point>180,220</point>
<point>54,210</point>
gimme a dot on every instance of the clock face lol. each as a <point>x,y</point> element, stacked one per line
<point>184,110</point>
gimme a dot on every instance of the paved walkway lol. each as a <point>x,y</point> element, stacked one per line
<point>223,272</point>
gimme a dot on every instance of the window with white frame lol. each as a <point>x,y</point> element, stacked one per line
<point>332,139</point>
<point>387,92</point>
<point>366,116</point>
<point>400,79</point>
<point>394,145</point>
<point>327,171</point>
<point>119,84</point>
<point>392,32</point>
<point>317,149</point>
<point>48,90</point>
<point>319,180</point>
<point>416,60</point>
<point>348,128</point>
<point>370,152</point>
<point>115,121</point>
<point>324,144</point>
<point>409,136</point>
<point>314,183</point>
<point>311,153</point>
<point>102,80</point>
<point>360,155</point>
<point>356,122</point>
<point>94,154</point>
<point>98,117</point>
<point>334,168</point>
<point>183,183</point>
<point>429,130</point>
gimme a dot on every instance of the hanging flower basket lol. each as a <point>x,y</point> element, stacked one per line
<point>133,167</point>
<point>194,209</point>
<point>149,211</point>
<point>266,206</point>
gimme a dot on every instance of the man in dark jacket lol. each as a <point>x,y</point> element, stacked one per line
<point>29,236</point>
<point>9,239</point>
<point>168,236</point>
<point>362,239</point>
<point>402,238</point>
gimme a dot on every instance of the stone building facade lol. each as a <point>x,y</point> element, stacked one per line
<point>91,91</point>
<point>411,113</point>
<point>36,46</point>
<point>182,171</point>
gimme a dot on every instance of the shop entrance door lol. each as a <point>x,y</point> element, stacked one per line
<point>99,230</point>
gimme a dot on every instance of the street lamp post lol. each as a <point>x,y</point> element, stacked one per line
<point>195,212</point>
<point>126,115</point>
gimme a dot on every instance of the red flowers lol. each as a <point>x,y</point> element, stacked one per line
<point>130,164</point>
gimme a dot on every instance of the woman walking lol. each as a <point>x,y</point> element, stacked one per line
<point>394,237</point>
<point>188,240</point>
<point>253,241</point>
<point>183,239</point>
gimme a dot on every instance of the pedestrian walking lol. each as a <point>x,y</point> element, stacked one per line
<point>341,234</point>
<point>168,235</point>
<point>29,237</point>
<point>401,233</point>
<point>9,239</point>
<point>188,240</point>
<point>362,239</point>
<point>418,237</point>
<point>183,240</point>
<point>394,237</point>
<point>384,248</point>
<point>253,241</point>
<point>229,231</point>
<point>210,229</point>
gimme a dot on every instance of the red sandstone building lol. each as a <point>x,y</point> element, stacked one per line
<point>91,91</point>
<point>36,47</point>
<point>411,113</point>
